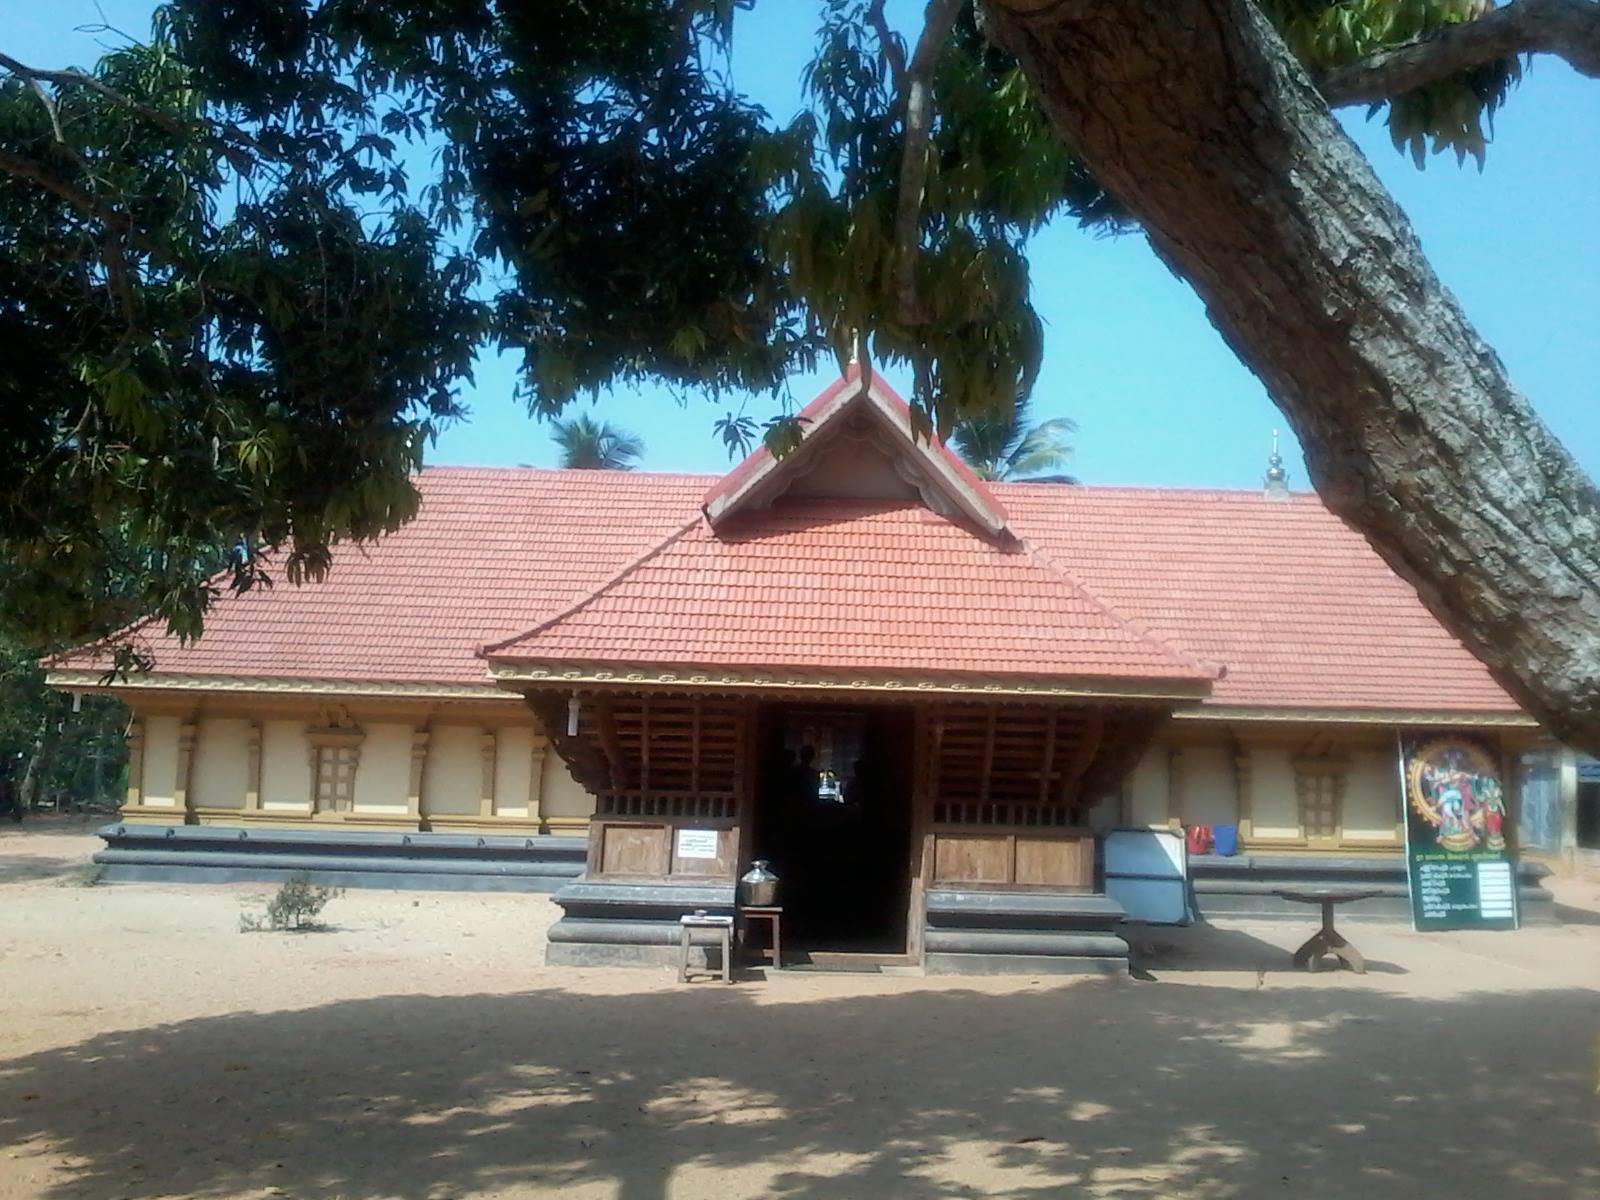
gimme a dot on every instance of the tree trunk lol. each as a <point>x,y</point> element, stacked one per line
<point>1195,115</point>
<point>39,757</point>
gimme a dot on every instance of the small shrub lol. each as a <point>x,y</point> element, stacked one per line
<point>296,907</point>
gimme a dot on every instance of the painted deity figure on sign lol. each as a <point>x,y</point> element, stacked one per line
<point>1492,806</point>
<point>1454,785</point>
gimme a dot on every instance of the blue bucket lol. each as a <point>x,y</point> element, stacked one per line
<point>1225,840</point>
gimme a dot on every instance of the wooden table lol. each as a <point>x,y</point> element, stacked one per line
<point>772,914</point>
<point>1327,940</point>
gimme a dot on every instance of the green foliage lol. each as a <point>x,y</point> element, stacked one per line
<point>248,265</point>
<point>295,907</point>
<point>1448,115</point>
<point>77,757</point>
<point>209,347</point>
<point>1003,444</point>
<point>589,444</point>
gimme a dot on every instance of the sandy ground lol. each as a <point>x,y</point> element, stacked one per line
<point>420,1049</point>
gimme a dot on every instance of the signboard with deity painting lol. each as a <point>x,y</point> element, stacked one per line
<point>1461,871</point>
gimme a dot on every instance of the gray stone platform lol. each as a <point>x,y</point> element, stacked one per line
<point>1243,885</point>
<point>338,857</point>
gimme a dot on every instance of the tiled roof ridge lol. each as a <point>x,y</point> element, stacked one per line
<point>573,473</point>
<point>1048,562</point>
<point>1183,490</point>
<point>665,544</point>
<point>1188,491</point>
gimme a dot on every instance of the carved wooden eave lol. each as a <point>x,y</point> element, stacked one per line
<point>585,760</point>
<point>1395,717</point>
<point>594,677</point>
<point>269,685</point>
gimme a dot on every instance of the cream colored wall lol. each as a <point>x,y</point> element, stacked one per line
<point>1274,803</point>
<point>453,778</point>
<point>383,775</point>
<point>1208,792</point>
<point>285,766</point>
<point>513,770</point>
<point>160,775</point>
<point>1372,796</point>
<point>221,770</point>
<point>563,795</point>
<point>1146,789</point>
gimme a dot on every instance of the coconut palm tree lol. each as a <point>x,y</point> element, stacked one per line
<point>1003,445</point>
<point>593,445</point>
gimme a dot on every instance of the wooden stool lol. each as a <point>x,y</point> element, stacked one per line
<point>773,915</point>
<point>723,926</point>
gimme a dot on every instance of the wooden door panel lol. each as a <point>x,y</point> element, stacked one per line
<point>1055,862</point>
<point>972,858</point>
<point>634,849</point>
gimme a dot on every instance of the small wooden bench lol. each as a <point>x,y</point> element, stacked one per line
<point>721,926</point>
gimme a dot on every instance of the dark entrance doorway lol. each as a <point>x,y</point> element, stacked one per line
<point>833,816</point>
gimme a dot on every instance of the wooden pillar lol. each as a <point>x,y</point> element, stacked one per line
<point>1242,794</point>
<point>1175,787</point>
<point>419,761</point>
<point>135,796</point>
<point>541,747</point>
<point>252,774</point>
<point>180,785</point>
<point>486,755</point>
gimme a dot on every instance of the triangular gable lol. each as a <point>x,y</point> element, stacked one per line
<point>859,438</point>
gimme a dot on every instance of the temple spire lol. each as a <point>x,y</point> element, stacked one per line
<point>1277,482</point>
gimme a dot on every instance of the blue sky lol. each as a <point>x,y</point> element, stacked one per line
<point>1129,355</point>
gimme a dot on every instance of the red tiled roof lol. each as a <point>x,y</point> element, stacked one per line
<point>1295,606</point>
<point>851,585</point>
<point>493,551</point>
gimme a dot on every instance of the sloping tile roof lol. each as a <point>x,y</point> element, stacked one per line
<point>851,585</point>
<point>493,551</point>
<point>1295,606</point>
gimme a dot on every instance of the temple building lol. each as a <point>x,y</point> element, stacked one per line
<point>920,696</point>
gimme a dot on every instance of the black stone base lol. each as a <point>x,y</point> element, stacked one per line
<point>339,858</point>
<point>659,958</point>
<point>992,933</point>
<point>631,924</point>
<point>1242,885</point>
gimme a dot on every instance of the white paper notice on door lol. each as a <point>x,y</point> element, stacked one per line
<point>697,843</point>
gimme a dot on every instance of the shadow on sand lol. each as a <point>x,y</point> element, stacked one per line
<point>1138,1089</point>
<point>1158,950</point>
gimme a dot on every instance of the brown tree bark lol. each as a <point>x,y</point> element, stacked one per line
<point>1195,115</point>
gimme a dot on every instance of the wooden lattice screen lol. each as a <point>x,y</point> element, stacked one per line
<point>1011,765</point>
<point>669,756</point>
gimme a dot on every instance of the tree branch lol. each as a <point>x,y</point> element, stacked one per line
<point>24,168</point>
<point>914,159</point>
<point>894,51</point>
<point>238,147</point>
<point>1569,29</point>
